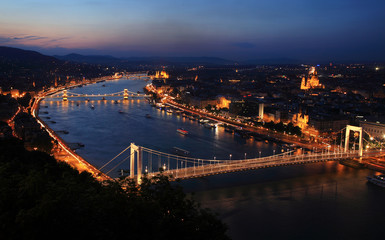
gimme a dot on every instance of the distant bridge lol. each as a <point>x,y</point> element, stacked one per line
<point>65,95</point>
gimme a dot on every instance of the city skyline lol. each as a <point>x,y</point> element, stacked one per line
<point>237,30</point>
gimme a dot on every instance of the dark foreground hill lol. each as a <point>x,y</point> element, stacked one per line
<point>43,199</point>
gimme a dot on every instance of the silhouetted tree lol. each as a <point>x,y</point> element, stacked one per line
<point>41,198</point>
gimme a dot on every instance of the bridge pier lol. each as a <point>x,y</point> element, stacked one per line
<point>125,94</point>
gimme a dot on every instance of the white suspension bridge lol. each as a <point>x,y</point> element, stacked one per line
<point>151,162</point>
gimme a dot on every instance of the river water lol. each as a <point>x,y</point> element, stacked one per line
<point>314,201</point>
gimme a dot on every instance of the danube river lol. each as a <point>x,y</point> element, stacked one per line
<point>315,201</point>
<point>106,127</point>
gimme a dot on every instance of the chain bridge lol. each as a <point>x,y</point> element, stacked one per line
<point>125,94</point>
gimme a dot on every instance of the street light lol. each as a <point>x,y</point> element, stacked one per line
<point>259,154</point>
<point>230,156</point>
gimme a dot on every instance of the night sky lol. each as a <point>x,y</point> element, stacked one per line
<point>324,30</point>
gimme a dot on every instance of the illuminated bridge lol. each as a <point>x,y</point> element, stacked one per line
<point>146,161</point>
<point>125,94</point>
<point>150,162</point>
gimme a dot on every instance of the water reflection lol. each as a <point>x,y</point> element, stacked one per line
<point>299,199</point>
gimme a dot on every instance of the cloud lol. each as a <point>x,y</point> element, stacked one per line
<point>4,40</point>
<point>243,45</point>
<point>28,38</point>
<point>20,39</point>
<point>32,41</point>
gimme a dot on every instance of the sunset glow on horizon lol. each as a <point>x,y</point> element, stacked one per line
<point>231,29</point>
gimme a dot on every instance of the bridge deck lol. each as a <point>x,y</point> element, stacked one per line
<point>248,164</point>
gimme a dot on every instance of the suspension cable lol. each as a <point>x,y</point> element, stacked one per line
<point>114,158</point>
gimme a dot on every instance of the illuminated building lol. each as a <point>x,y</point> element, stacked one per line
<point>116,76</point>
<point>311,81</point>
<point>15,93</point>
<point>223,103</point>
<point>300,120</point>
<point>161,74</point>
<point>375,129</point>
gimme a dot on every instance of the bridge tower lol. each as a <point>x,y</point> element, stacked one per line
<point>125,94</point>
<point>347,134</point>
<point>260,113</point>
<point>65,95</point>
<point>135,150</point>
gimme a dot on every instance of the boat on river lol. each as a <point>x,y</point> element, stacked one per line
<point>182,131</point>
<point>180,152</point>
<point>209,125</point>
<point>377,180</point>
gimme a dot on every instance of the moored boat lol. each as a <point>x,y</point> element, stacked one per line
<point>209,125</point>
<point>377,180</point>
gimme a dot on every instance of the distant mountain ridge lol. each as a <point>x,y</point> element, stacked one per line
<point>272,61</point>
<point>20,55</point>
<point>100,59</point>
<point>110,60</point>
<point>29,70</point>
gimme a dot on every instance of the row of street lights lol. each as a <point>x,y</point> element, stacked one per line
<point>259,155</point>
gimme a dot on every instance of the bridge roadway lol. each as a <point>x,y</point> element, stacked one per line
<point>227,166</point>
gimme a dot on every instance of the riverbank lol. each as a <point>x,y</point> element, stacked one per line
<point>61,150</point>
<point>267,134</point>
